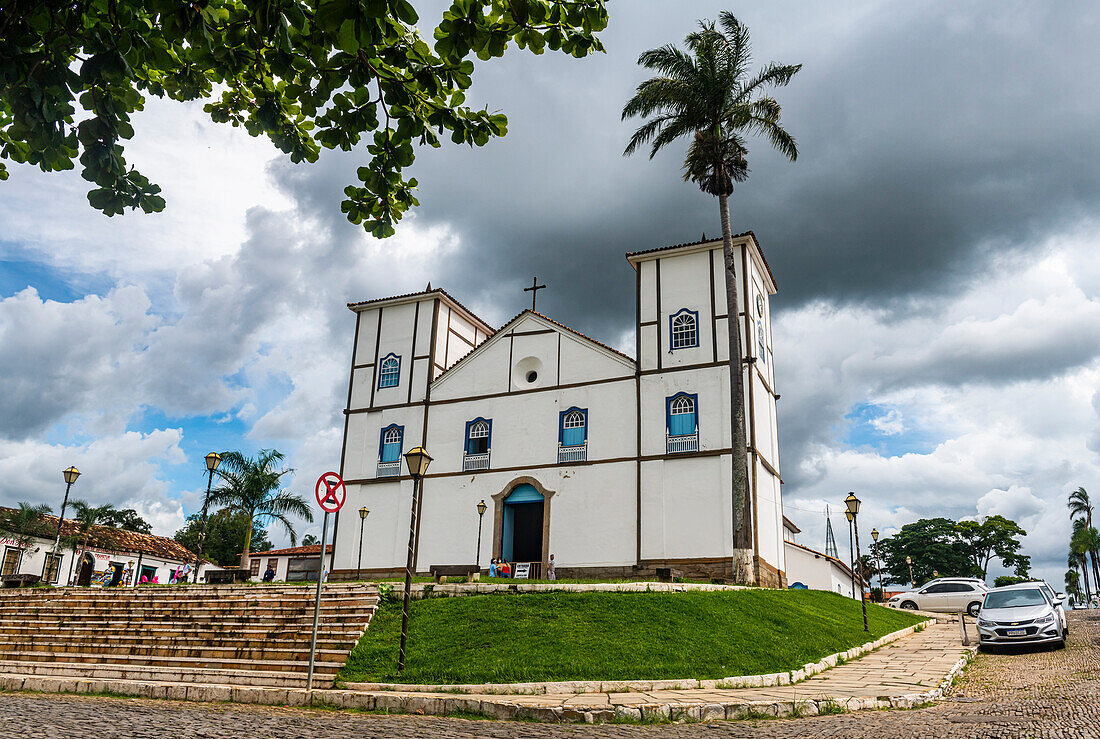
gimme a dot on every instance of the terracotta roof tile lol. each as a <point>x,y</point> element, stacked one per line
<point>116,540</point>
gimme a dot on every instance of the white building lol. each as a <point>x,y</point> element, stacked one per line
<point>291,564</point>
<point>617,465</point>
<point>815,570</point>
<point>108,550</point>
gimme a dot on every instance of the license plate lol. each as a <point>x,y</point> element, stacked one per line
<point>1017,632</point>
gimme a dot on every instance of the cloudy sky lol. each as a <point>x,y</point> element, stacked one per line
<point>938,319</point>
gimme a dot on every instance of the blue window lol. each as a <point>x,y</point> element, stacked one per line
<point>683,329</point>
<point>682,414</point>
<point>478,435</point>
<point>574,427</point>
<point>389,446</point>
<point>390,371</point>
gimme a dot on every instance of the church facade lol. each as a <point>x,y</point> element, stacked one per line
<point>616,465</point>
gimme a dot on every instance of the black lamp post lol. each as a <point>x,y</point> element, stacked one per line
<point>851,552</point>
<point>363,512</point>
<point>213,459</point>
<point>878,566</point>
<point>70,476</point>
<point>853,507</point>
<point>480,517</point>
<point>417,460</point>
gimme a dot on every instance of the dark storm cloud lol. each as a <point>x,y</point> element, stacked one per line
<point>931,138</point>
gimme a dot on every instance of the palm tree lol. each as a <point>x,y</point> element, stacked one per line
<point>87,518</point>
<point>707,94</point>
<point>24,523</point>
<point>253,487</point>
<point>1079,505</point>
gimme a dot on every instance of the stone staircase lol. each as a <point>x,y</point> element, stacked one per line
<point>227,634</point>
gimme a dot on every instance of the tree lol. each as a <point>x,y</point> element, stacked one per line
<point>934,544</point>
<point>253,487</point>
<point>87,517</point>
<point>705,93</point>
<point>1003,580</point>
<point>1073,584</point>
<point>225,530</point>
<point>310,540</point>
<point>995,536</point>
<point>24,524</point>
<point>1080,512</point>
<point>1076,560</point>
<point>127,519</point>
<point>1080,506</point>
<point>305,73</point>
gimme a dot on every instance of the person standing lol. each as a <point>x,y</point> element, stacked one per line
<point>505,568</point>
<point>551,572</point>
<point>493,567</point>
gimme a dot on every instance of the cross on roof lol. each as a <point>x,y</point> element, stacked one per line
<point>534,290</point>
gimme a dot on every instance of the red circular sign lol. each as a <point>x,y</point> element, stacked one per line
<point>330,492</point>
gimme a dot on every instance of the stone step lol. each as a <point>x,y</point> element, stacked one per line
<point>196,614</point>
<point>144,673</point>
<point>297,652</point>
<point>116,596</point>
<point>156,590</point>
<point>169,630</point>
<point>199,663</point>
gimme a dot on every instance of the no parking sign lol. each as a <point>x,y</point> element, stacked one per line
<point>330,492</point>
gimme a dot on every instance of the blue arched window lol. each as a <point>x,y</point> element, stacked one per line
<point>574,427</point>
<point>389,374</point>
<point>389,447</point>
<point>479,437</point>
<point>682,415</point>
<point>683,329</point>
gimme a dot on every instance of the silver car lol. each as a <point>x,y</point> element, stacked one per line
<point>1019,614</point>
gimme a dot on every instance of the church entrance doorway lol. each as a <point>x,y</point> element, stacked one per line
<point>523,524</point>
<point>87,569</point>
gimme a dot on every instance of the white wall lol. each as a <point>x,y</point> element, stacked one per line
<point>816,571</point>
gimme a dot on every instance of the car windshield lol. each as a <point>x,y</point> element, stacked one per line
<point>1014,599</point>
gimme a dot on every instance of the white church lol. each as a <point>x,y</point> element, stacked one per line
<point>616,465</point>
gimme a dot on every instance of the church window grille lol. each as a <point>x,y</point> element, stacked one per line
<point>390,374</point>
<point>684,326</point>
<point>389,451</point>
<point>683,424</point>
<point>479,434</point>
<point>573,435</point>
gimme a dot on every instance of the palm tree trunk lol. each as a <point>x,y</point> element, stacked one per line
<point>1085,577</point>
<point>742,503</point>
<point>246,556</point>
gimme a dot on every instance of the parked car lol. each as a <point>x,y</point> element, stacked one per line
<point>944,595</point>
<point>1019,614</point>
<point>1057,599</point>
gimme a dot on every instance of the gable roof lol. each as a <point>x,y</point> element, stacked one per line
<point>502,331</point>
<point>759,250</point>
<point>307,550</point>
<point>111,539</point>
<point>365,304</point>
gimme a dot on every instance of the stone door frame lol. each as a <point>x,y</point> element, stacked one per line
<point>498,514</point>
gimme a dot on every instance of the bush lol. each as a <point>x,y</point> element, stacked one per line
<point>1003,580</point>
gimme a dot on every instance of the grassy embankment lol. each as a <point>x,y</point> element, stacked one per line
<point>613,636</point>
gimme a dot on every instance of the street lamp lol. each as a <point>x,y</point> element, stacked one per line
<point>417,459</point>
<point>909,561</point>
<point>213,459</point>
<point>878,567</point>
<point>851,553</point>
<point>852,502</point>
<point>70,476</point>
<point>481,507</point>
<point>363,512</point>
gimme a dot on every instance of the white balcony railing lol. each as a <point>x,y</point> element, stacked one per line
<point>473,462</point>
<point>389,469</point>
<point>680,444</point>
<point>572,453</point>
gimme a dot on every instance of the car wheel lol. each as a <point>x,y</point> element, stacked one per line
<point>909,605</point>
<point>973,608</point>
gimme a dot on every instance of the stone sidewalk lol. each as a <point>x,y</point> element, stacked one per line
<point>908,672</point>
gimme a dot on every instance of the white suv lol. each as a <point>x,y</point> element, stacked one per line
<point>944,595</point>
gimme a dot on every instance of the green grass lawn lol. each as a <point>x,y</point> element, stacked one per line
<point>613,636</point>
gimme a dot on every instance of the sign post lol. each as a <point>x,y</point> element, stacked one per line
<point>330,493</point>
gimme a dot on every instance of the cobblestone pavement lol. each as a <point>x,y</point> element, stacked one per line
<point>1040,693</point>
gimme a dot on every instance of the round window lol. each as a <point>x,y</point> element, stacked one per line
<point>532,376</point>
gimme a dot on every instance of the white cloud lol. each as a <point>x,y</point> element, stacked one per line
<point>889,423</point>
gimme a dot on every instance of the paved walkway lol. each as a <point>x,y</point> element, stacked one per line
<point>902,673</point>
<point>1033,693</point>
